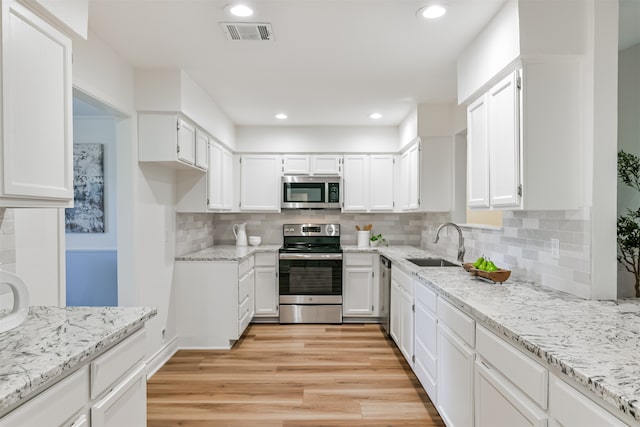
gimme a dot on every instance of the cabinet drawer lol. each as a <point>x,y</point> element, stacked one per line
<point>456,321</point>
<point>266,259</point>
<point>404,280</point>
<point>115,363</point>
<point>524,373</point>
<point>245,266</point>
<point>56,406</point>
<point>358,259</point>
<point>126,404</point>
<point>244,289</point>
<point>244,307</point>
<point>425,296</point>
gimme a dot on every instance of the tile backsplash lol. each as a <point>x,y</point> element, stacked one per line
<point>7,240</point>
<point>397,229</point>
<point>193,232</point>
<point>523,245</point>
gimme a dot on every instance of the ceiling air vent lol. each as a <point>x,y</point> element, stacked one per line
<point>247,30</point>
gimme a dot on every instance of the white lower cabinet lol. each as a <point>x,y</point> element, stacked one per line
<point>361,289</point>
<point>498,403</point>
<point>456,356</point>
<point>402,315</point>
<point>425,344</point>
<point>125,405</point>
<point>266,285</point>
<point>569,408</point>
<point>215,301</point>
<point>109,391</point>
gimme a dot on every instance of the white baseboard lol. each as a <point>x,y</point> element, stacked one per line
<point>161,357</point>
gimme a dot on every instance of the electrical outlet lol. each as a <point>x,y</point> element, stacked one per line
<point>555,248</point>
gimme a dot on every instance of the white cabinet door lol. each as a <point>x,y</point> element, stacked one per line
<point>425,348</point>
<point>227,180</point>
<point>395,309</point>
<point>37,129</point>
<point>246,310</point>
<point>382,182</point>
<point>504,142</point>
<point>358,291</point>
<point>406,328</point>
<point>295,164</point>
<point>186,142</point>
<point>202,148</point>
<point>498,403</point>
<point>477,154</point>
<point>266,303</point>
<point>260,183</point>
<point>326,164</point>
<point>125,405</point>
<point>455,379</point>
<point>215,177</point>
<point>356,183</point>
<point>414,177</point>
<point>569,408</point>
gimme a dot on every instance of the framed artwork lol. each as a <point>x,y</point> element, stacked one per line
<point>87,215</point>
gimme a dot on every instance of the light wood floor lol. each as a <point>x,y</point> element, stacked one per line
<point>292,375</point>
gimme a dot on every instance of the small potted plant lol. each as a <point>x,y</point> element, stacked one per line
<point>377,239</point>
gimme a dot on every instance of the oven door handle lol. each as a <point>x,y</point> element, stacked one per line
<point>311,256</point>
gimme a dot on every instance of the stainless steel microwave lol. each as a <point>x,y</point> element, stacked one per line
<point>311,192</point>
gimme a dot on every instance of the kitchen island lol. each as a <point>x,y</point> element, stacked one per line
<point>55,343</point>
<point>591,344</point>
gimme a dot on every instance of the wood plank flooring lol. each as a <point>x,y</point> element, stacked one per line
<point>292,375</point>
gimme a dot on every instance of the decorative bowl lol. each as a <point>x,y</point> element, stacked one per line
<point>255,240</point>
<point>497,276</point>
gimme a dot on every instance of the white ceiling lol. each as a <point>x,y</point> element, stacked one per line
<point>332,62</point>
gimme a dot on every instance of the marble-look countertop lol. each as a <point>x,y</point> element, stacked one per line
<point>594,344</point>
<point>226,253</point>
<point>55,341</point>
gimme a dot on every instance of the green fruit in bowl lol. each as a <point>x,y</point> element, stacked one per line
<point>478,262</point>
<point>491,267</point>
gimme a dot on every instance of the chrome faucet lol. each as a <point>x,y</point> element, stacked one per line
<point>460,239</point>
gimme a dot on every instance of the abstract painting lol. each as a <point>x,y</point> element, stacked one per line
<point>87,215</point>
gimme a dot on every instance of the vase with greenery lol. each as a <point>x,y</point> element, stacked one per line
<point>629,223</point>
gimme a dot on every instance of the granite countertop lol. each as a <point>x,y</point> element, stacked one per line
<point>594,344</point>
<point>226,253</point>
<point>55,341</point>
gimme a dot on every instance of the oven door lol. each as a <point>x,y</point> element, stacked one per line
<point>309,275</point>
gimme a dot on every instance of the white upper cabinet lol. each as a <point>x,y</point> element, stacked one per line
<point>312,164</point>
<point>504,142</point>
<point>326,164</point>
<point>171,140</point>
<point>356,183</point>
<point>202,150</point>
<point>409,188</point>
<point>295,164</point>
<point>220,178</point>
<point>382,182</point>
<point>260,182</point>
<point>526,123</point>
<point>37,131</point>
<point>477,154</point>
<point>368,182</point>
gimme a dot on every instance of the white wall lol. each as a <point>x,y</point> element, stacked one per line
<point>99,130</point>
<point>492,50</point>
<point>408,129</point>
<point>317,139</point>
<point>628,139</point>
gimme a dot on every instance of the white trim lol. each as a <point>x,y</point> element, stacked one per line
<point>161,357</point>
<point>195,347</point>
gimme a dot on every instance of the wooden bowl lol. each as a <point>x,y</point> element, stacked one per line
<point>497,276</point>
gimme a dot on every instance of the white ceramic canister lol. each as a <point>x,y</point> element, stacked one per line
<point>363,239</point>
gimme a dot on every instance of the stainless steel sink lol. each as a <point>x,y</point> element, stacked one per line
<point>432,262</point>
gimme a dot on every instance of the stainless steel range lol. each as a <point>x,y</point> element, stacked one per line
<point>311,274</point>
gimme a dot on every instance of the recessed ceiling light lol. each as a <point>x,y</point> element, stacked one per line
<point>432,12</point>
<point>241,10</point>
<point>375,116</point>
<point>281,116</point>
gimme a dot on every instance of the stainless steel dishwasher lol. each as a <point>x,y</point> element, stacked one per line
<point>385,292</point>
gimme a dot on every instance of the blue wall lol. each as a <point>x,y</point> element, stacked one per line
<point>92,278</point>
